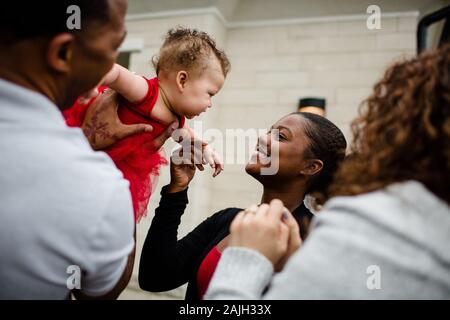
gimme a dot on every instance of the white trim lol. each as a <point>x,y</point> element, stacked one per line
<point>349,17</point>
<point>177,13</point>
<point>261,23</point>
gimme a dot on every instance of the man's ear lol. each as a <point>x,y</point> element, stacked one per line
<point>60,51</point>
<point>312,167</point>
<point>181,79</point>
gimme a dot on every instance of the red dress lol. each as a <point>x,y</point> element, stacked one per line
<point>206,270</point>
<point>135,155</point>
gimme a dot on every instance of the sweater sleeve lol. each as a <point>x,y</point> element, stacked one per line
<point>166,262</point>
<point>333,263</point>
<point>241,274</point>
<point>316,270</point>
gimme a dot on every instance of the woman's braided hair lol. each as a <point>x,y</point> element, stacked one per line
<point>326,143</point>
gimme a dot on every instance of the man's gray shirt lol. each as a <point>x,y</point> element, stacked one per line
<point>63,207</point>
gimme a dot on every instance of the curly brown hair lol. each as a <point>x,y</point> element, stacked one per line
<point>403,130</point>
<point>188,49</point>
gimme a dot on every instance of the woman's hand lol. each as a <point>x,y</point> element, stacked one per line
<point>294,242</point>
<point>182,170</point>
<point>206,155</point>
<point>267,230</point>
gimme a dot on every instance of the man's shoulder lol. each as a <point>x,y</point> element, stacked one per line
<point>74,156</point>
<point>61,163</point>
<point>90,171</point>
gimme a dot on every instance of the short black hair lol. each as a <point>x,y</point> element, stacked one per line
<point>20,20</point>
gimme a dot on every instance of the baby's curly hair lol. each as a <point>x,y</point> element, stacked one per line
<point>188,49</point>
<point>403,131</point>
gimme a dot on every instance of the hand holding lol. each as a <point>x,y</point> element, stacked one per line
<point>102,125</point>
<point>262,229</point>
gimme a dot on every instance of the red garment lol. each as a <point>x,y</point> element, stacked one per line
<point>206,270</point>
<point>134,155</point>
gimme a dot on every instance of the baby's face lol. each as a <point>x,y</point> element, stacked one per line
<point>198,91</point>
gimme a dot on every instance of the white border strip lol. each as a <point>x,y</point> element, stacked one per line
<point>260,23</point>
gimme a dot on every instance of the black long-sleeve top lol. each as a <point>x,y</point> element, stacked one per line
<point>166,262</point>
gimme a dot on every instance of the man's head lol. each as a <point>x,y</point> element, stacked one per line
<point>192,69</point>
<point>40,48</point>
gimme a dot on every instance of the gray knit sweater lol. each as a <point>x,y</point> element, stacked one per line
<point>393,243</point>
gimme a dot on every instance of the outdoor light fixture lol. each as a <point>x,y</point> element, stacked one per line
<point>312,105</point>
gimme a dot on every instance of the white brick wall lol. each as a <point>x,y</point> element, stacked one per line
<point>272,67</point>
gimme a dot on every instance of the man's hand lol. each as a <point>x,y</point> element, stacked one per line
<point>263,229</point>
<point>102,125</point>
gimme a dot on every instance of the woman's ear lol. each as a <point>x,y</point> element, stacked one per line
<point>60,52</point>
<point>181,79</point>
<point>312,167</point>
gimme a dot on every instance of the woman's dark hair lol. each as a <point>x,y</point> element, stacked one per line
<point>403,132</point>
<point>326,143</point>
<point>20,20</point>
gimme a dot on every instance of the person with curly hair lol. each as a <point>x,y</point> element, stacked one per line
<point>385,234</point>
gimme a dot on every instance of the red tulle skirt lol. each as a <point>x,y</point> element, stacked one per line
<point>135,155</point>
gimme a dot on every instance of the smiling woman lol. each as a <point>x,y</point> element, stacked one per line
<point>386,235</point>
<point>309,148</point>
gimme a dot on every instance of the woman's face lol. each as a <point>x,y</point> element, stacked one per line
<point>281,149</point>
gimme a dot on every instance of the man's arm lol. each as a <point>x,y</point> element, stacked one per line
<point>109,247</point>
<point>121,284</point>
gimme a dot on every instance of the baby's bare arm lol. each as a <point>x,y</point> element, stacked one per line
<point>131,86</point>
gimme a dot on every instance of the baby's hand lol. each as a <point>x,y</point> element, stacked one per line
<point>213,158</point>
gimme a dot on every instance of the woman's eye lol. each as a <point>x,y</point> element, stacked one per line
<point>277,135</point>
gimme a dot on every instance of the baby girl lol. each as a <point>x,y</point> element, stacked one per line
<point>190,70</point>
